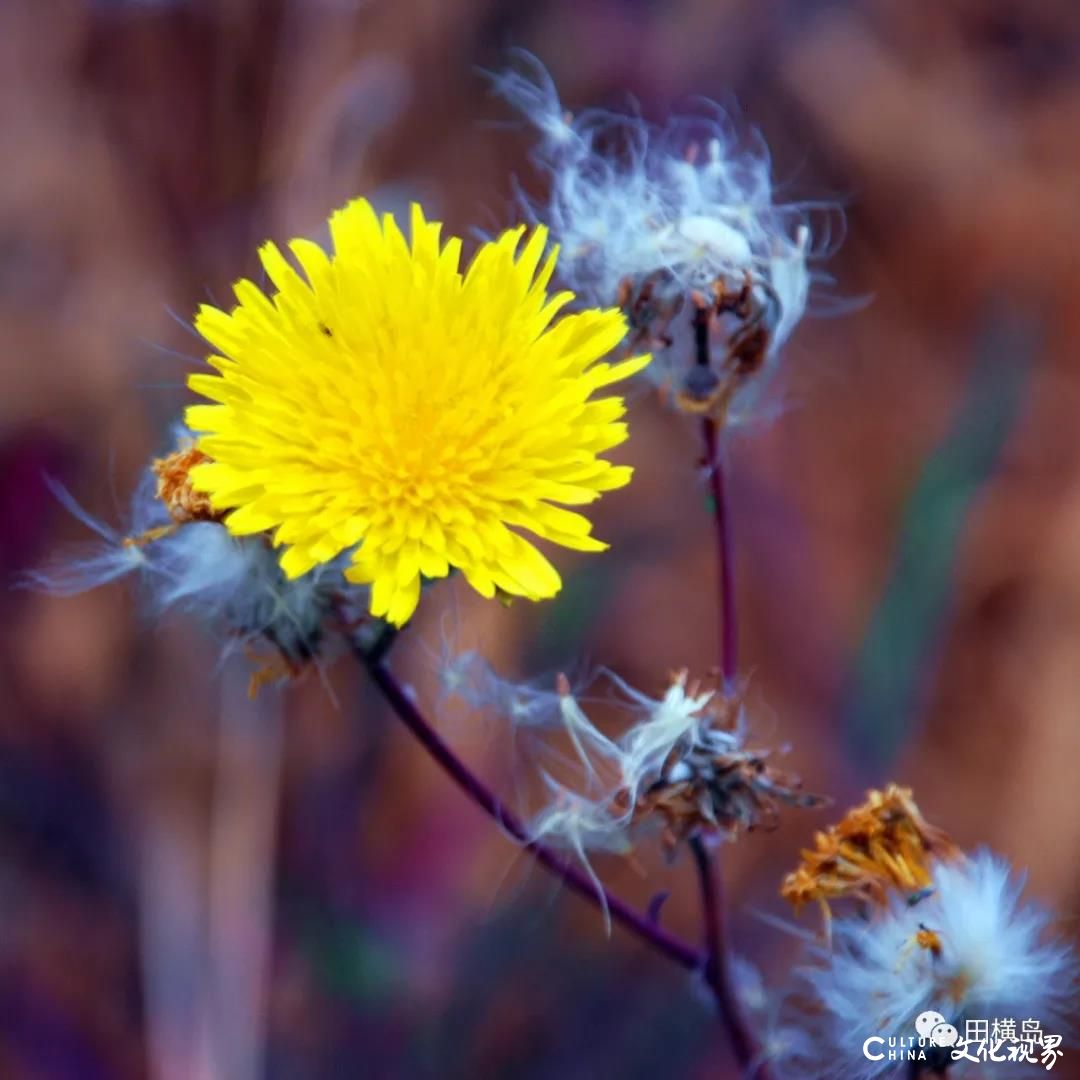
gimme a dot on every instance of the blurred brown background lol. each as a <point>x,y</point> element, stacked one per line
<point>908,532</point>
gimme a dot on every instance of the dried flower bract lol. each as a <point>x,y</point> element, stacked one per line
<point>881,846</point>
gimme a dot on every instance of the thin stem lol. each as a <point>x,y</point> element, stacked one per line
<point>729,625</point>
<point>729,621</point>
<point>718,972</point>
<point>729,629</point>
<point>621,912</point>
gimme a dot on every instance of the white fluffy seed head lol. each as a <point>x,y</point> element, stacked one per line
<point>232,584</point>
<point>687,202</point>
<point>997,959</point>
<point>237,582</point>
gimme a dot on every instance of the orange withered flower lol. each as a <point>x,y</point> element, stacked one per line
<point>881,846</point>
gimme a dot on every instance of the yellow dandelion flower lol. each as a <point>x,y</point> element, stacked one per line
<point>383,398</point>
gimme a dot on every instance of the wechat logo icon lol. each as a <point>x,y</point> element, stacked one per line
<point>933,1026</point>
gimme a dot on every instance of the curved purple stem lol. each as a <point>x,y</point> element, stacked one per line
<point>636,922</point>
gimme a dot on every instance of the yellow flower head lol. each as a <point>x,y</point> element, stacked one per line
<point>386,399</point>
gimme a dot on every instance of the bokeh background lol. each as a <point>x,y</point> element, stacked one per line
<point>192,885</point>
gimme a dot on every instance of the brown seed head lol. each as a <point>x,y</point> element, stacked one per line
<point>708,788</point>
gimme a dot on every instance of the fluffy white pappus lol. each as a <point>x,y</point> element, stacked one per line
<point>468,676</point>
<point>681,205</point>
<point>782,1045</point>
<point>532,91</point>
<point>994,957</point>
<point>669,726</point>
<point>526,706</point>
<point>87,566</point>
<point>238,582</point>
<point>578,825</point>
<point>231,583</point>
